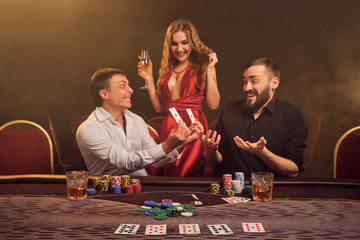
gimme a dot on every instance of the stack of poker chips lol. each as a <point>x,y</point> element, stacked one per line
<point>107,178</point>
<point>116,189</point>
<point>104,185</point>
<point>129,188</point>
<point>241,177</point>
<point>125,180</point>
<point>214,188</point>
<point>115,181</point>
<point>96,182</point>
<point>227,178</point>
<point>135,181</point>
<point>137,187</point>
<point>165,209</point>
<point>236,186</point>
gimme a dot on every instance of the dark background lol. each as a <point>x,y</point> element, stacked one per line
<point>49,50</point>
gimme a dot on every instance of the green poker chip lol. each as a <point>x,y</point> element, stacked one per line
<point>248,189</point>
<point>161,212</point>
<point>142,209</point>
<point>189,210</point>
<point>161,217</point>
<point>189,207</point>
<point>171,209</point>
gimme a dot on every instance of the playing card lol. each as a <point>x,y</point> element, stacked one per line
<point>189,229</point>
<point>191,115</point>
<point>236,199</point>
<point>220,229</point>
<point>127,229</point>
<point>175,114</point>
<point>253,227</point>
<point>155,229</point>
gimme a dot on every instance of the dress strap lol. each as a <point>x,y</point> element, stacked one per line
<point>178,73</point>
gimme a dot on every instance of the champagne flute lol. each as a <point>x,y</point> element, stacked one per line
<point>145,60</point>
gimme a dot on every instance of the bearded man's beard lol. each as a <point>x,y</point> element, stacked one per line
<point>260,101</point>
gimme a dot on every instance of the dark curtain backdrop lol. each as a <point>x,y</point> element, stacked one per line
<point>49,50</point>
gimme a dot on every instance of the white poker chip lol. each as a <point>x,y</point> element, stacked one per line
<point>186,214</point>
<point>176,203</point>
<point>146,207</point>
<point>180,208</point>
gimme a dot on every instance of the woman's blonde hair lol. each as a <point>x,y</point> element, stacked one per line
<point>198,57</point>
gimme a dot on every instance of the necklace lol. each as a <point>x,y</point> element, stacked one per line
<point>178,73</point>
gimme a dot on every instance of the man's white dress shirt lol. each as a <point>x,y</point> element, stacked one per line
<point>107,150</point>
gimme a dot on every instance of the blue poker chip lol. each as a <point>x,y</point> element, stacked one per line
<point>91,191</point>
<point>150,203</point>
<point>116,189</point>
<point>167,204</point>
<point>154,209</point>
<point>148,213</point>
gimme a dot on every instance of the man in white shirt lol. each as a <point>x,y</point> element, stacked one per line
<point>115,141</point>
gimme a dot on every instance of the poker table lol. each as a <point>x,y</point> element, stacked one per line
<point>36,207</point>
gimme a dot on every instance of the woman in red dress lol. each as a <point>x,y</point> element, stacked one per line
<point>187,76</point>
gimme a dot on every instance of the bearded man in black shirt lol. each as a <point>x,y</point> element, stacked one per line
<point>258,133</point>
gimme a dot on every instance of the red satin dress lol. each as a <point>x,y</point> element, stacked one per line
<point>192,161</point>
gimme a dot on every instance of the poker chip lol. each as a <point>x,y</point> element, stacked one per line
<point>142,209</point>
<point>176,204</point>
<point>91,191</point>
<point>148,213</point>
<point>214,188</point>
<point>167,204</point>
<point>147,207</point>
<point>171,209</point>
<point>96,182</point>
<point>189,210</point>
<point>187,214</point>
<point>165,209</point>
<point>137,188</point>
<point>129,189</point>
<point>161,205</point>
<point>115,181</point>
<point>173,214</point>
<point>150,203</point>
<point>104,185</point>
<point>161,212</point>
<point>125,180</point>
<point>116,189</point>
<point>189,207</point>
<point>248,189</point>
<point>161,217</point>
<point>229,193</point>
<point>155,210</point>
<point>241,177</point>
<point>135,181</point>
<point>227,178</point>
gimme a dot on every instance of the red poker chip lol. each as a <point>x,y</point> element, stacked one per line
<point>137,188</point>
<point>129,189</point>
<point>166,200</point>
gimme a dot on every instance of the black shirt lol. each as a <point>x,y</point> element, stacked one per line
<point>281,124</point>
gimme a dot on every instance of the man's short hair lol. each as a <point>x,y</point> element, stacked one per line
<point>101,81</point>
<point>269,63</point>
